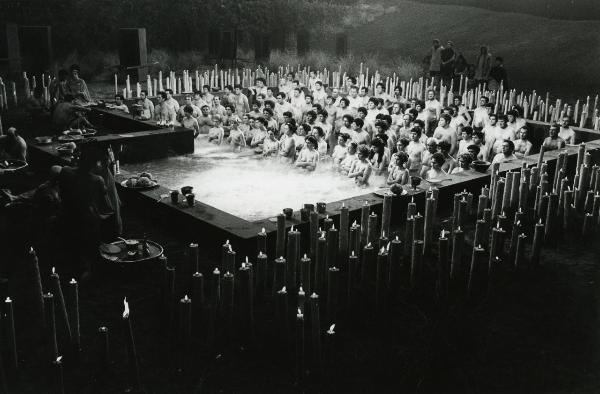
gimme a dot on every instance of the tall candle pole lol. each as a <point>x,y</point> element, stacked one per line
<point>538,238</point>
<point>429,203</point>
<point>442,269</point>
<point>60,300</point>
<point>416,263</point>
<point>344,231</point>
<point>261,275</point>
<point>381,279</point>
<point>280,241</point>
<point>364,223</point>
<point>185,327</point>
<point>314,232</point>
<point>477,272</point>
<point>551,217</point>
<point>315,329</point>
<point>333,274</point>
<point>299,346</point>
<point>261,241</point>
<point>281,308</point>
<point>132,358</point>
<point>9,334</point>
<point>198,297</point>
<point>35,295</point>
<point>332,247</point>
<point>305,273</point>
<point>386,215</point>
<point>50,326</point>
<point>247,301</point>
<point>320,264</point>
<point>293,242</point>
<point>408,235</point>
<point>59,375</point>
<point>279,274</point>
<point>73,297</point>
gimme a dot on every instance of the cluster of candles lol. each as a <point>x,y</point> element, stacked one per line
<point>535,106</point>
<point>346,266</point>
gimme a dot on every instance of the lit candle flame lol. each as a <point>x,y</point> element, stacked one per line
<point>216,271</point>
<point>333,226</point>
<point>540,222</point>
<point>53,271</point>
<point>518,222</point>
<point>479,246</point>
<point>263,231</point>
<point>126,308</point>
<point>366,202</point>
<point>326,216</point>
<point>186,298</point>
<point>353,255</point>
<point>369,245</point>
<point>314,295</point>
<point>458,228</point>
<point>443,233</point>
<point>331,329</point>
<point>58,359</point>
<point>388,246</point>
<point>382,233</point>
<point>8,299</point>
<point>305,256</point>
<point>246,259</point>
<point>230,248</point>
<point>498,224</point>
<point>73,281</point>
<point>354,224</point>
<point>283,289</point>
<point>243,265</point>
<point>292,229</point>
<point>382,250</point>
<point>300,290</point>
<point>299,312</point>
<point>227,242</point>
<point>343,205</point>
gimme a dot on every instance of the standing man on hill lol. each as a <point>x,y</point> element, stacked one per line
<point>435,62</point>
<point>448,59</point>
<point>498,75</point>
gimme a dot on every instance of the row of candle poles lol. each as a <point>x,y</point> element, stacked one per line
<point>535,106</point>
<point>345,266</point>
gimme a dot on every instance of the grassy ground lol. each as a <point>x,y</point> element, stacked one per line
<point>539,53</point>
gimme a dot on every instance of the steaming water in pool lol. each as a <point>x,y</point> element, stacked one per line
<point>247,186</point>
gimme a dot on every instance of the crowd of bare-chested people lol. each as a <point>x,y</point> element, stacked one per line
<point>361,132</point>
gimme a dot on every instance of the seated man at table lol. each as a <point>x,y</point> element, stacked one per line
<point>120,104</point>
<point>77,87</point>
<point>12,146</point>
<point>507,154</point>
<point>68,114</point>
<point>86,204</point>
<point>146,106</point>
<point>553,141</point>
<point>566,132</point>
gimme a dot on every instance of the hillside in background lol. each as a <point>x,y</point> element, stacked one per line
<point>540,53</point>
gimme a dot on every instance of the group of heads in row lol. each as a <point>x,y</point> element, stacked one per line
<point>330,124</point>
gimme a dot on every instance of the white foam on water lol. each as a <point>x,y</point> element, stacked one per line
<point>247,186</point>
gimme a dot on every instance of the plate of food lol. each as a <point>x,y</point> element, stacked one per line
<point>44,140</point>
<point>70,137</point>
<point>144,181</point>
<point>387,191</point>
<point>66,149</point>
<point>130,251</point>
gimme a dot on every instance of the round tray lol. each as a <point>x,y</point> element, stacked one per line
<point>13,165</point>
<point>387,191</point>
<point>123,257</point>
<point>43,140</point>
<point>124,184</point>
